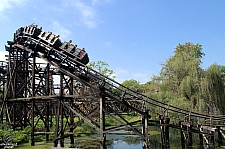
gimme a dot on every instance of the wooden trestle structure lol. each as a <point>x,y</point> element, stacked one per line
<point>61,89</point>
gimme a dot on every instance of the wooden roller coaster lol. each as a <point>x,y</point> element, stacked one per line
<point>62,88</point>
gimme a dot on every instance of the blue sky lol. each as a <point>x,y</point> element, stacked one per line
<point>133,36</point>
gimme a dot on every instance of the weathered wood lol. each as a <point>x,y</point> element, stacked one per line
<point>33,101</point>
<point>189,135</point>
<point>209,128</point>
<point>32,84</point>
<point>200,135</point>
<point>220,139</point>
<point>167,121</point>
<point>102,123</point>
<point>162,131</point>
<point>182,136</point>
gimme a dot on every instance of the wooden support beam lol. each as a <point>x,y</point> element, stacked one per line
<point>61,110</point>
<point>71,115</point>
<point>61,126</point>
<point>102,124</point>
<point>33,101</point>
<point>167,140</point>
<point>47,121</point>
<point>145,118</point>
<point>162,131</point>
<point>220,139</point>
<point>57,125</point>
<point>200,135</point>
<point>189,135</point>
<point>182,135</point>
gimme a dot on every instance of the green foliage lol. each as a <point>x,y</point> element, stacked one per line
<point>180,77</point>
<point>182,80</point>
<point>103,68</point>
<point>132,84</point>
<point>213,89</point>
<point>185,62</point>
<point>20,137</point>
<point>132,114</point>
<point>110,121</point>
<point>88,129</point>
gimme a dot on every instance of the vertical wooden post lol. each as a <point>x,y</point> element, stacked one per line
<point>26,89</point>
<point>144,121</point>
<point>33,100</point>
<point>143,129</point>
<point>61,109</point>
<point>57,124</point>
<point>71,116</point>
<point>220,139</point>
<point>48,108</point>
<point>189,129</point>
<point>211,133</point>
<point>102,123</point>
<point>47,122</point>
<point>71,129</point>
<point>61,129</point>
<point>59,112</point>
<point>182,135</point>
<point>167,140</point>
<point>25,115</point>
<point>32,124</point>
<point>162,131</point>
<point>14,115</point>
<point>200,134</point>
<point>3,103</point>
<point>146,129</point>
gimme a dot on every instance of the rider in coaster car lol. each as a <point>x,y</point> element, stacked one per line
<point>68,44</point>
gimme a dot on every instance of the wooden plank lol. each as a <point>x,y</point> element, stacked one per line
<point>209,128</point>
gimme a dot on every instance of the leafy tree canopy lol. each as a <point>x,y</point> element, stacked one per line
<point>103,68</point>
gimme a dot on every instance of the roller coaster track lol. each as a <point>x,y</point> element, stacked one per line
<point>81,72</point>
<point>104,93</point>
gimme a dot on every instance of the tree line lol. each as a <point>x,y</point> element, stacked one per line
<point>182,82</point>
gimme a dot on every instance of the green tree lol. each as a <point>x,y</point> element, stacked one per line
<point>103,68</point>
<point>185,62</point>
<point>213,89</point>
<point>181,74</point>
<point>132,84</point>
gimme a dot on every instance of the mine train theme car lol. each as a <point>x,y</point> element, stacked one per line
<point>52,40</point>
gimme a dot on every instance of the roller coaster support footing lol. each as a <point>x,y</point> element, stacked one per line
<point>145,118</point>
<point>164,122</point>
<point>186,133</point>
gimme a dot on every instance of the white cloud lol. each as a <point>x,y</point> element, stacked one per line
<point>60,30</point>
<point>86,12</point>
<point>8,4</point>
